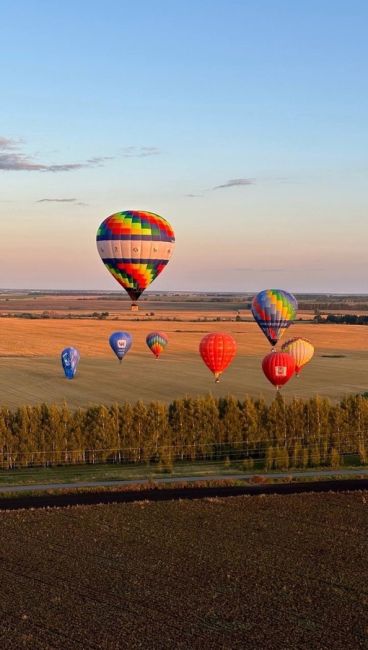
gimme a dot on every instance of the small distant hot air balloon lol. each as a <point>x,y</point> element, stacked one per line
<point>135,247</point>
<point>157,342</point>
<point>278,367</point>
<point>70,359</point>
<point>217,351</point>
<point>274,310</point>
<point>301,349</point>
<point>120,343</point>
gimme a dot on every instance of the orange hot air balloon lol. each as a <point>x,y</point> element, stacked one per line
<point>301,349</point>
<point>278,367</point>
<point>217,351</point>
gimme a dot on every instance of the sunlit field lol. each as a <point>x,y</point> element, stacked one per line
<point>30,369</point>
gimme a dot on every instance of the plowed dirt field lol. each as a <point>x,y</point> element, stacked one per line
<point>271,572</point>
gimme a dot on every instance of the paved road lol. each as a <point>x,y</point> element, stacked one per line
<point>348,472</point>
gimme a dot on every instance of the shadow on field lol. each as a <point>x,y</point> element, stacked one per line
<point>94,497</point>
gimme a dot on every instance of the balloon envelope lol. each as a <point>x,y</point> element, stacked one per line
<point>157,342</point>
<point>120,343</point>
<point>300,349</point>
<point>274,310</point>
<point>69,360</point>
<point>278,367</point>
<point>135,247</point>
<point>217,351</point>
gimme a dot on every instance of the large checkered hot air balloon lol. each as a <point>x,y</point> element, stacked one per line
<point>135,247</point>
<point>274,310</point>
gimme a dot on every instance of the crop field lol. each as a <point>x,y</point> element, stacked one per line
<point>241,572</point>
<point>30,369</point>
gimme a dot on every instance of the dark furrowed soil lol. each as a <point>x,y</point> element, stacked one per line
<point>242,572</point>
<point>47,497</point>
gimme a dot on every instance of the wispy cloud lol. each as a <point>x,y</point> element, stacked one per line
<point>192,196</point>
<point>235,182</point>
<point>56,201</point>
<point>248,269</point>
<point>99,160</point>
<point>74,201</point>
<point>8,143</point>
<point>11,159</point>
<point>139,152</point>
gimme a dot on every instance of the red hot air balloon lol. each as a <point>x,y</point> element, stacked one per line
<point>278,367</point>
<point>217,351</point>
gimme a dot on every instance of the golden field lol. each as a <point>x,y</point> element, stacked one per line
<point>29,338</point>
<point>30,369</point>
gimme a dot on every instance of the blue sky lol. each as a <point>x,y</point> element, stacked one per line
<point>107,106</point>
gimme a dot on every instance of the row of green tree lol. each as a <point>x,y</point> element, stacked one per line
<point>296,433</point>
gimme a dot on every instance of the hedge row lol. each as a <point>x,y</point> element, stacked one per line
<point>296,433</point>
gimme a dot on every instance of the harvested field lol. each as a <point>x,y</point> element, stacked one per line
<point>243,572</point>
<point>39,338</point>
<point>30,370</point>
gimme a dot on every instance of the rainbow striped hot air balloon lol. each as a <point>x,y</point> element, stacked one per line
<point>135,247</point>
<point>301,349</point>
<point>157,341</point>
<point>274,310</point>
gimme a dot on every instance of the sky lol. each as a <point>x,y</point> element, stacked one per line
<point>243,123</point>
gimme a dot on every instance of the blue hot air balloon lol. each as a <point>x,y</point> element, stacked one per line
<point>70,359</point>
<point>120,342</point>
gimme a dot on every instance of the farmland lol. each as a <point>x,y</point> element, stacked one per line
<point>242,572</point>
<point>30,370</point>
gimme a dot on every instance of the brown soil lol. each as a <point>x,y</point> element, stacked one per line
<point>245,572</point>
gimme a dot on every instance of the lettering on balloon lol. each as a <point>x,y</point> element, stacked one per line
<point>280,371</point>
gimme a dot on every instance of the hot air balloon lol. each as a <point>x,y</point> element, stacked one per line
<point>135,247</point>
<point>278,367</point>
<point>157,342</point>
<point>301,349</point>
<point>217,351</point>
<point>274,310</point>
<point>121,343</point>
<point>70,359</point>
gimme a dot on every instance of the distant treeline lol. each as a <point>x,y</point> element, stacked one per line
<point>346,319</point>
<point>298,433</point>
<point>102,315</point>
<point>349,306</point>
